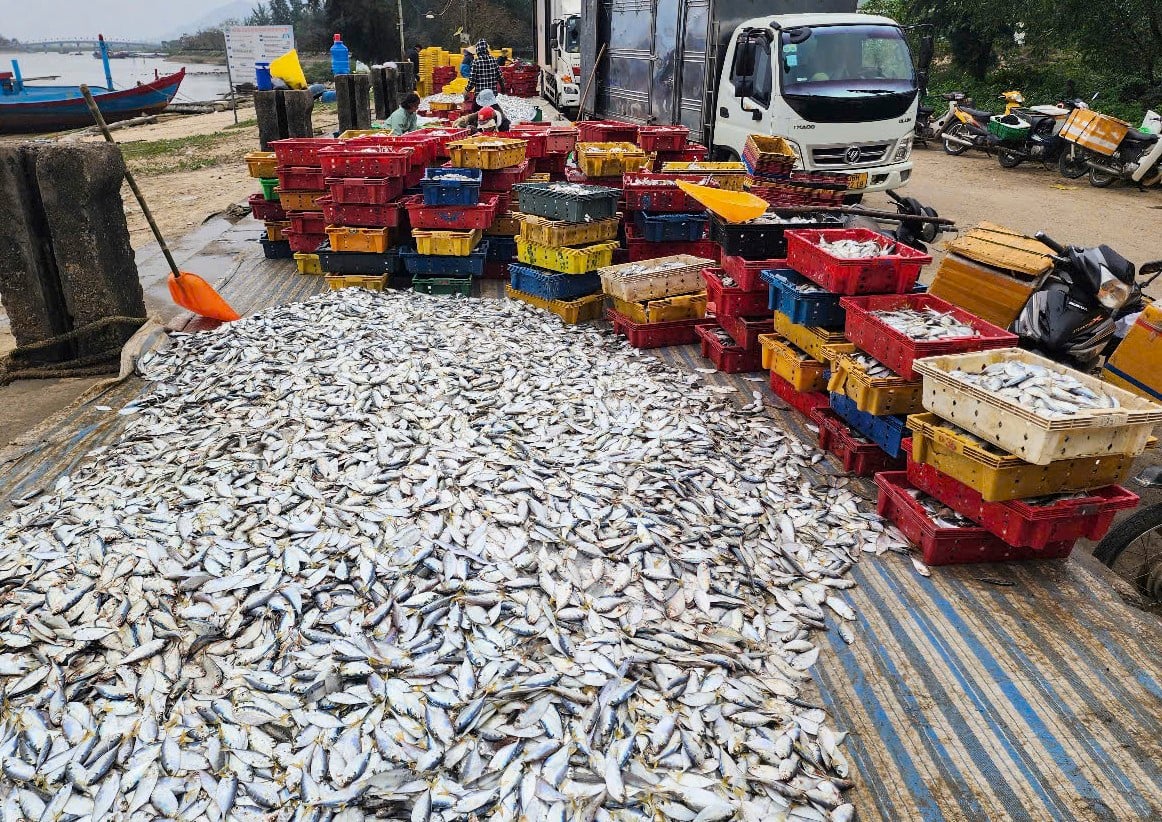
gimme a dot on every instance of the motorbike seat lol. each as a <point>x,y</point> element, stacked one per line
<point>1135,136</point>
<point>953,95</point>
<point>979,114</point>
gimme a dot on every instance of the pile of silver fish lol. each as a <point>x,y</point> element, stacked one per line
<point>426,559</point>
<point>1047,392</point>
<point>925,324</point>
<point>941,514</point>
<point>870,365</point>
<point>856,249</point>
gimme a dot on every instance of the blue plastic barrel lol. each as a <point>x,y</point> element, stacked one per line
<point>262,77</point>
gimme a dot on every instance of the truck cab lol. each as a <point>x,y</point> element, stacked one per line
<point>558,24</point>
<point>840,87</point>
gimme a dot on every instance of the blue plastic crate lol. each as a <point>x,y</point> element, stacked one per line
<point>502,249</point>
<point>671,228</point>
<point>820,309</point>
<point>550,285</point>
<point>437,265</point>
<point>451,186</point>
<point>887,431</point>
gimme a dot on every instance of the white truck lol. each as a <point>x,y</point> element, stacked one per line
<point>839,85</point>
<point>558,43</point>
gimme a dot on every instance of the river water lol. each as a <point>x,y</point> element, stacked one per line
<point>203,82</point>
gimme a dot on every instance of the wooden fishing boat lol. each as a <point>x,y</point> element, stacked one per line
<point>28,109</point>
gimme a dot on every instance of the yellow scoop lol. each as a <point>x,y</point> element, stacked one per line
<point>732,206</point>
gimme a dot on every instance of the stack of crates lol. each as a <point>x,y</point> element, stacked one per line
<point>429,61</point>
<point>520,78</point>
<point>567,232</point>
<point>670,144</point>
<point>301,184</point>
<point>739,299</point>
<point>263,166</point>
<point>662,220</point>
<point>771,175</point>
<point>549,146</point>
<point>659,302</point>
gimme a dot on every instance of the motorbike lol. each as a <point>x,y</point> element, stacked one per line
<point>1137,159</point>
<point>971,127</point>
<point>914,233</point>
<point>1071,317</point>
<point>1040,140</point>
<point>1134,546</point>
<point>928,129</point>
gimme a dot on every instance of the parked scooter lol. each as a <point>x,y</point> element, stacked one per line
<point>971,127</point>
<point>1040,140</point>
<point>1137,159</point>
<point>1134,546</point>
<point>933,129</point>
<point>1071,317</point>
<point>914,228</point>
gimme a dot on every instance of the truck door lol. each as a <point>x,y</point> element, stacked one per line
<point>746,91</point>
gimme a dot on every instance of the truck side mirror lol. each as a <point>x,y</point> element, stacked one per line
<point>553,43</point>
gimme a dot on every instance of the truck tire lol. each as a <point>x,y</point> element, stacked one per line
<point>1143,565</point>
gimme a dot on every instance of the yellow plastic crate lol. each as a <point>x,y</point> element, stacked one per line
<point>728,176</point>
<point>487,153</point>
<point>666,309</point>
<point>784,359</point>
<point>581,310</point>
<point>372,282</point>
<point>446,243</point>
<point>540,177</point>
<point>457,86</point>
<point>438,106</point>
<point>308,263</point>
<point>874,395</point>
<point>558,233</point>
<point>565,260</point>
<point>999,476</point>
<point>352,133</point>
<point>506,225</point>
<point>610,159</point>
<point>372,240</point>
<point>808,338</point>
<point>276,230</point>
<point>262,164</point>
<point>300,200</point>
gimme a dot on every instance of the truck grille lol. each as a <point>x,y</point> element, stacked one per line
<point>869,154</point>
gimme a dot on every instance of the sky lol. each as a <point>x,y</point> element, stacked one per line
<point>52,19</point>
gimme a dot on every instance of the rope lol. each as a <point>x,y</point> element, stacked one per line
<point>87,366</point>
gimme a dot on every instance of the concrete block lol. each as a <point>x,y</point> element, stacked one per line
<point>407,77</point>
<point>298,106</point>
<point>283,113</point>
<point>378,85</point>
<point>353,92</point>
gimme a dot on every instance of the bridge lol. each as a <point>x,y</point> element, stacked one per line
<point>87,44</point>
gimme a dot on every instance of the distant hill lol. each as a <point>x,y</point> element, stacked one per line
<point>237,10</point>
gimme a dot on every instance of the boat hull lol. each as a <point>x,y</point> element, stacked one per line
<point>45,109</point>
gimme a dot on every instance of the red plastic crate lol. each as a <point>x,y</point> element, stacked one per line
<point>893,274</point>
<point>746,272</point>
<point>807,403</point>
<point>356,191</point>
<point>606,131</point>
<point>414,177</point>
<point>733,302</point>
<point>264,209</point>
<point>354,159</point>
<point>689,153</point>
<point>447,218</point>
<point>301,151</point>
<point>745,331</point>
<point>495,270</point>
<point>863,459</point>
<point>504,179</point>
<point>304,243</point>
<point>300,178</point>
<point>947,546</point>
<point>659,193</point>
<point>561,139</point>
<point>360,215</point>
<point>309,222</point>
<point>574,175</point>
<point>503,201</point>
<point>897,350</point>
<point>662,138</point>
<point>1017,522</point>
<point>536,142</point>
<point>729,359</point>
<point>655,335</point>
<point>426,145</point>
<point>640,249</point>
<point>553,164</point>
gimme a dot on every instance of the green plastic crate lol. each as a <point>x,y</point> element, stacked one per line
<point>444,285</point>
<point>268,185</point>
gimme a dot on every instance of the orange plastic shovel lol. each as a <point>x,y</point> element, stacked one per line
<point>732,206</point>
<point>189,291</point>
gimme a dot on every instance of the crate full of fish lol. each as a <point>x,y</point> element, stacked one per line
<point>560,138</point>
<point>764,237</point>
<point>782,358</point>
<point>434,265</point>
<point>354,262</point>
<point>729,298</point>
<point>659,193</point>
<point>807,403</point>
<point>872,386</point>
<point>486,153</point>
<point>560,234</point>
<point>359,214</point>
<point>662,138</point>
<point>943,536</point>
<point>726,356</point>
<point>670,228</point>
<point>447,243</point>
<point>663,309</point>
<point>810,338</point>
<point>572,312</point>
<point>745,331</point>
<point>854,260</point>
<point>899,328</point>
<point>451,186</point>
<point>748,273</point>
<point>536,142</point>
<point>366,160</point>
<point>639,249</point>
<point>503,179</point>
<point>726,175</point>
<point>448,218</point>
<point>609,159</point>
<point>1034,408</point>
<point>802,301</point>
<point>654,335</point>
<point>888,431</point>
<point>1036,522</point>
<point>359,191</point>
<point>689,153</point>
<point>651,279</point>
<point>566,260</point>
<point>569,202</point>
<point>551,285</point>
<point>857,454</point>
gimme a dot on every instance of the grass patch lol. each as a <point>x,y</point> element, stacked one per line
<point>151,158</point>
<point>253,121</point>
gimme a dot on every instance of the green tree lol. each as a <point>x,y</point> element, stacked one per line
<point>370,28</point>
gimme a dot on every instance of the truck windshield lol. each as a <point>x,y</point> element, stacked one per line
<point>573,34</point>
<point>845,60</point>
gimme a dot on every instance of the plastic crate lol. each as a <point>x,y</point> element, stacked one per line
<point>447,218</point>
<point>888,431</point>
<point>662,138</point>
<point>999,476</point>
<point>609,159</point>
<point>276,249</point>
<point>1009,127</point>
<point>748,273</point>
<point>566,260</point>
<point>655,335</point>
<point>446,243</point>
<point>819,308</point>
<point>300,179</point>
<point>301,151</point>
<point>560,139</point>
<point>572,312</point>
<point>308,222</point>
<point>551,285</point>
<point>666,309</point>
<point>641,250</point>
<point>873,395</point>
<point>745,331</point>
<point>1021,432</point>
<point>856,454</point>
<point>371,282</point>
<point>346,238</point>
<point>275,229</point>
<point>782,358</point>
<point>896,350</point>
<point>304,243</point>
<point>495,270</point>
<point>768,156</point>
<point>360,215</point>
<point>536,142</point>
<point>649,280</point>
<point>443,285</point>
<point>308,263</point>
<point>501,249</point>
<point>355,262</point>
<point>670,228</point>
<point>730,176</point>
<point>810,338</point>
<point>504,225</point>
<point>486,152</point>
<point>734,302</point>
<point>422,150</point>
<point>689,153</point>
<point>606,131</point>
<point>571,203</point>
<point>561,234</point>
<point>451,186</point>
<point>269,187</point>
<point>301,200</point>
<point>947,546</point>
<point>729,359</point>
<point>262,164</point>
<point>429,265</point>
<point>807,403</point>
<point>355,159</point>
<point>659,193</point>
<point>890,274</point>
<point>264,209</point>
<point>760,239</point>
<point>504,179</point>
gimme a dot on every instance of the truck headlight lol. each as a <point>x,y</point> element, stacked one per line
<point>903,150</point>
